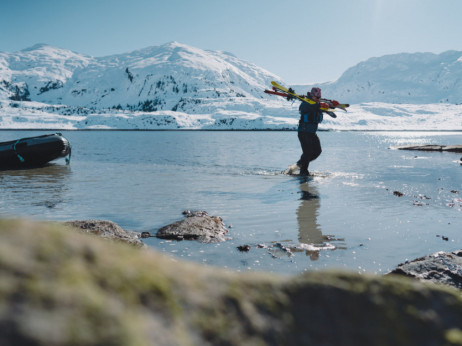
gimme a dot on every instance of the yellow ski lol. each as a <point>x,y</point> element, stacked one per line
<point>302,98</point>
<point>342,106</point>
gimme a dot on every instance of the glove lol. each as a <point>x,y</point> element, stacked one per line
<point>334,103</point>
<point>324,105</point>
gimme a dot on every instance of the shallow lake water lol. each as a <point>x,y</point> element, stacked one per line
<point>345,216</point>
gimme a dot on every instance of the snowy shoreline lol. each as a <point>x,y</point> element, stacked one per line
<point>213,130</point>
<point>372,116</point>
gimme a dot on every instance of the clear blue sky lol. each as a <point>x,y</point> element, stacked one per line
<point>301,41</point>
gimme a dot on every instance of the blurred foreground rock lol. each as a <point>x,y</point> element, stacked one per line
<point>67,288</point>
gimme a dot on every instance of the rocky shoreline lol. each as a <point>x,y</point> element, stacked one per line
<point>107,230</point>
<point>432,147</point>
<point>440,268</point>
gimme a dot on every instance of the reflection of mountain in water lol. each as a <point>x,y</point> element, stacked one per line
<point>309,231</point>
<point>35,187</point>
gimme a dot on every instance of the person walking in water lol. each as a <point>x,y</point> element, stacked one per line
<point>311,114</point>
<point>310,117</point>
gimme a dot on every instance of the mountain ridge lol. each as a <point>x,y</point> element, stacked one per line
<point>53,75</point>
<point>176,86</point>
<point>164,77</point>
<point>413,78</point>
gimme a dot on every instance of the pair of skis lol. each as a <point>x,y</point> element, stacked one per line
<point>290,94</point>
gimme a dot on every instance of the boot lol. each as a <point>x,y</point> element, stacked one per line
<point>304,171</point>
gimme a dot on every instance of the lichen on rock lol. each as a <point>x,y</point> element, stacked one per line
<point>68,288</point>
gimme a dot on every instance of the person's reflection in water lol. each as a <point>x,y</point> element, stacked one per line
<point>309,230</point>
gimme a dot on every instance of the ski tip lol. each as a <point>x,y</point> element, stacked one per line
<point>332,114</point>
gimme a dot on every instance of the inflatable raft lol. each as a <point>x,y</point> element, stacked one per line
<point>34,151</point>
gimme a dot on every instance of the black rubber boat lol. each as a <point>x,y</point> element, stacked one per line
<point>34,151</point>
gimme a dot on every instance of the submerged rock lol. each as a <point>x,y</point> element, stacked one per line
<point>441,267</point>
<point>197,226</point>
<point>279,250</point>
<point>451,148</point>
<point>244,248</point>
<point>106,229</point>
<point>66,288</point>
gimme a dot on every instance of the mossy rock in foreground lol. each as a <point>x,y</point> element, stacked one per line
<point>61,287</point>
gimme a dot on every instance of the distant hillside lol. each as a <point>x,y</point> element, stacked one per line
<point>418,78</point>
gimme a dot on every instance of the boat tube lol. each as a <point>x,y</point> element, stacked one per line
<point>34,151</point>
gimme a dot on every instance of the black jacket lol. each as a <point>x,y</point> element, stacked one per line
<point>310,117</point>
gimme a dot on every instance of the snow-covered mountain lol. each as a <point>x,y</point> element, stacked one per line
<point>177,86</point>
<point>32,73</point>
<point>418,78</point>
<point>173,76</point>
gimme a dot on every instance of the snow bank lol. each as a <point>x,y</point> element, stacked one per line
<point>366,116</point>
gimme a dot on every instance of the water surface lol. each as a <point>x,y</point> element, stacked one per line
<point>145,180</point>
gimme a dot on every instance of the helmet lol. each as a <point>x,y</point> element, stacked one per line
<point>316,92</point>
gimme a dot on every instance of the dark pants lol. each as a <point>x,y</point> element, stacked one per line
<point>311,147</point>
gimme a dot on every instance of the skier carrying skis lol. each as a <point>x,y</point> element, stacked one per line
<point>311,114</point>
<point>310,117</point>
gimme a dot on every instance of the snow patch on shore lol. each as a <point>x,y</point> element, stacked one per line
<point>367,116</point>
